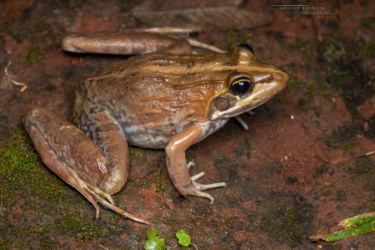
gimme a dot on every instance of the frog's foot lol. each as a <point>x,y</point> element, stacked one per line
<point>195,188</point>
<point>178,168</point>
<point>94,195</point>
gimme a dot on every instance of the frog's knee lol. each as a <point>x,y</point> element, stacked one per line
<point>113,184</point>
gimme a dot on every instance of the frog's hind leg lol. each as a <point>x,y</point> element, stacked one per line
<point>77,160</point>
<point>131,43</point>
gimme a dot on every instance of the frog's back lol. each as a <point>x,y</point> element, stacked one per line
<point>154,97</point>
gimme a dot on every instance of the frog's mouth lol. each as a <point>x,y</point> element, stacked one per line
<point>261,95</point>
<point>245,108</point>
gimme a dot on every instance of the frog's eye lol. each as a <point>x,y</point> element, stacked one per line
<point>241,85</point>
<point>246,46</point>
<point>243,54</point>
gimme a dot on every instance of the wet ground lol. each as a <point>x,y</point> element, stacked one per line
<point>279,191</point>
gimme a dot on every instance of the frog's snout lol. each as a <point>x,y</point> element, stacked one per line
<point>281,78</point>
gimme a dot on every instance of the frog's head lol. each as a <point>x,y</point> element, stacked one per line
<point>250,84</point>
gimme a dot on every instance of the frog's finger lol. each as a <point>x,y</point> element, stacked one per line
<point>197,176</point>
<point>210,186</point>
<point>242,123</point>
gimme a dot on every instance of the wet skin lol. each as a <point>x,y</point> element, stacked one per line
<point>169,99</point>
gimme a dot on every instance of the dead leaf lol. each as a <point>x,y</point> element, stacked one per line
<point>157,5</point>
<point>222,18</point>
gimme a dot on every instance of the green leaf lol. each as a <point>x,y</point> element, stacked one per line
<point>351,232</point>
<point>349,227</point>
<point>155,244</point>
<point>183,238</point>
<point>155,241</point>
<point>358,220</point>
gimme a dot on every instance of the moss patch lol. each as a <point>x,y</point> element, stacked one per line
<point>285,222</point>
<point>21,171</point>
<point>368,23</point>
<point>74,223</point>
<point>343,60</point>
<point>342,136</point>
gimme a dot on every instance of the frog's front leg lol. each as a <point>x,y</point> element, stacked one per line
<point>179,169</point>
<point>95,172</point>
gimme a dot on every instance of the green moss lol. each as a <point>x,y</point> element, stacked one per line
<point>305,49</point>
<point>339,56</point>
<point>367,49</point>
<point>4,244</point>
<point>160,187</point>
<point>342,136</point>
<point>333,48</point>
<point>310,92</point>
<point>363,166</point>
<point>368,23</point>
<point>248,147</point>
<point>345,146</point>
<point>34,56</point>
<point>134,151</point>
<point>370,132</point>
<point>293,84</point>
<point>234,38</point>
<point>280,221</point>
<point>20,168</point>
<point>301,46</point>
<point>41,26</point>
<point>40,230</point>
<point>74,223</point>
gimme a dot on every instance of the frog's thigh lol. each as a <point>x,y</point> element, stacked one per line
<point>104,130</point>
<point>76,159</point>
<point>64,148</point>
<point>73,156</point>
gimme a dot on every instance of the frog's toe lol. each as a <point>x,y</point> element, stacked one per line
<point>199,193</point>
<point>197,176</point>
<point>205,186</point>
<point>209,186</point>
<point>195,188</point>
<point>190,164</point>
<point>94,195</point>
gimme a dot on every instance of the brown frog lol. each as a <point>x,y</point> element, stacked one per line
<point>169,99</point>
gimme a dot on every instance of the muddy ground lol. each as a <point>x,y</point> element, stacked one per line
<point>280,190</point>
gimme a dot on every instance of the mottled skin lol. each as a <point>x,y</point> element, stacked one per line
<point>170,99</point>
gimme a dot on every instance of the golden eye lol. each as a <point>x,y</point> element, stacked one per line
<point>241,85</point>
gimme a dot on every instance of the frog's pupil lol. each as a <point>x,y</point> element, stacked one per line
<point>241,87</point>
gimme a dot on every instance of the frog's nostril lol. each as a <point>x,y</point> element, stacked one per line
<point>266,79</point>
